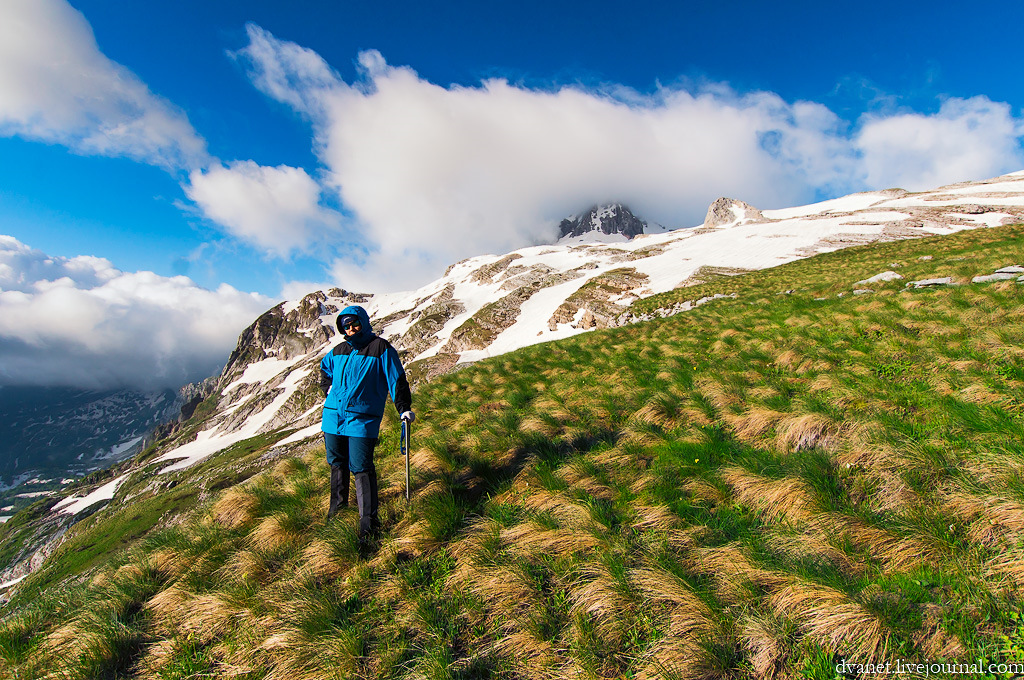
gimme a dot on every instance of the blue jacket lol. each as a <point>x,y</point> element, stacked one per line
<point>356,378</point>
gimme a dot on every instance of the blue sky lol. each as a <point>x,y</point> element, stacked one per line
<point>262,149</point>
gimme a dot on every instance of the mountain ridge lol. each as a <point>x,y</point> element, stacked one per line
<point>754,489</point>
<point>492,304</point>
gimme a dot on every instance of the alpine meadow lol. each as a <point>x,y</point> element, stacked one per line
<point>789,479</point>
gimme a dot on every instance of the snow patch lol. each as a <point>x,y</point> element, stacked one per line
<point>74,505</point>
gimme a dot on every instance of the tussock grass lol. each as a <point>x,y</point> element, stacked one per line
<point>749,490</point>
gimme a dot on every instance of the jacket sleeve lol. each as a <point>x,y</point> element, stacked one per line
<point>326,373</point>
<point>398,384</point>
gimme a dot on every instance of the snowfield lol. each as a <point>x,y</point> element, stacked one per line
<point>662,260</point>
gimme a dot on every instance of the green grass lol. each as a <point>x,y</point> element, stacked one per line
<point>757,488</point>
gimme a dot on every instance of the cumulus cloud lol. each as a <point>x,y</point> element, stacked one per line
<point>57,87</point>
<point>278,209</point>
<point>81,322</point>
<point>967,139</point>
<point>434,174</point>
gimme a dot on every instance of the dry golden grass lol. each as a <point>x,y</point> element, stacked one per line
<point>638,435</point>
<point>428,461</point>
<point>275,532</point>
<point>564,510</point>
<point>286,468</point>
<point>995,468</point>
<point>578,476</point>
<point>893,495</point>
<point>694,416</point>
<point>535,424</point>
<point>530,538</point>
<point>166,607</point>
<point>679,658</point>
<point>897,553</point>
<point>788,498</point>
<point>934,642</point>
<point>733,574</point>
<point>654,518</point>
<point>752,425</point>
<point>505,590</point>
<point>598,595</point>
<point>1007,566</point>
<point>246,566</point>
<point>788,359</point>
<point>801,546</point>
<point>979,393</point>
<point>237,506</point>
<point>660,585</point>
<point>155,658</point>
<point>807,431</point>
<point>763,640</point>
<point>660,411</point>
<point>833,620</point>
<point>324,560</point>
<point>171,563</point>
<point>534,658</point>
<point>704,492</point>
<point>717,394</point>
<point>685,540</point>
<point>993,519</point>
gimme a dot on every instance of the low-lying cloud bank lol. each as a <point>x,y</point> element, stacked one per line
<point>434,174</point>
<point>83,323</point>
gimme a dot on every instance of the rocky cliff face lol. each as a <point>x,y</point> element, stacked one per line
<point>608,220</point>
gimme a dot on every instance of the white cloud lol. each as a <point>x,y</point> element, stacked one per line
<point>57,87</point>
<point>967,139</point>
<point>435,174</point>
<point>275,208</point>
<point>82,322</point>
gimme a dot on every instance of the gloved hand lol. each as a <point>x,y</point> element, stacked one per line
<point>408,416</point>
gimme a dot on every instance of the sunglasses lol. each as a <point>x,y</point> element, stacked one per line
<point>350,324</point>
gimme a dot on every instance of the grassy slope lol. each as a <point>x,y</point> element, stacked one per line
<point>750,489</point>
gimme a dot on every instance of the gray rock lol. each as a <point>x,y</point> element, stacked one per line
<point>722,212</point>
<point>1012,269</point>
<point>862,291</point>
<point>928,283</point>
<point>884,276</point>
<point>989,278</point>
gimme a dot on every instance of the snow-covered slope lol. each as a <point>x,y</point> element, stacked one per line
<point>491,304</point>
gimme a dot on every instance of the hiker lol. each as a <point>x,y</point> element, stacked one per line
<point>356,377</point>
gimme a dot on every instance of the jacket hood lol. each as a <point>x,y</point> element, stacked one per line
<point>364,336</point>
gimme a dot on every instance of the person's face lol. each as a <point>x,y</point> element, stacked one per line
<point>351,327</point>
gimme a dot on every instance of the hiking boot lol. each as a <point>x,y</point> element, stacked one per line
<point>366,501</point>
<point>339,489</point>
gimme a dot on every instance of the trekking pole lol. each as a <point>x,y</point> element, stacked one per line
<point>405,452</point>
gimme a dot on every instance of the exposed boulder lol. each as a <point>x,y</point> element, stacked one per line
<point>727,211</point>
<point>878,278</point>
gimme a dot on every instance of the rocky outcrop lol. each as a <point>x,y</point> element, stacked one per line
<point>726,211</point>
<point>609,219</point>
<point>599,299</point>
<point>422,335</point>
<point>280,334</point>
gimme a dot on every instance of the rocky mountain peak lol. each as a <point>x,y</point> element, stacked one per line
<point>603,219</point>
<point>731,211</point>
<point>281,332</point>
